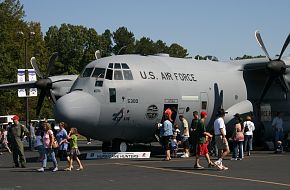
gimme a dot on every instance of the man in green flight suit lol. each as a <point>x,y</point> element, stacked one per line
<point>15,132</point>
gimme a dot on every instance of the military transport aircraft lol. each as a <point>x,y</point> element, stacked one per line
<point>119,99</point>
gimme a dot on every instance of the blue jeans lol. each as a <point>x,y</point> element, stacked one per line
<point>49,151</point>
<point>238,145</point>
<point>248,142</point>
<point>278,135</point>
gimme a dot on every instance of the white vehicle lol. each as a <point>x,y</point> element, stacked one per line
<point>5,119</point>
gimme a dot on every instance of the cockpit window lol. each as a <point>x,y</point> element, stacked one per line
<point>117,66</point>
<point>125,66</point>
<point>109,74</point>
<point>118,75</point>
<point>121,71</point>
<point>99,73</point>
<point>87,72</point>
<point>128,75</point>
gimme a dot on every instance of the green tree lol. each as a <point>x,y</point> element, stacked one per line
<point>145,46</point>
<point>92,40</point>
<point>106,46</point>
<point>124,41</point>
<point>11,20</point>
<point>161,47</point>
<point>70,42</point>
<point>14,32</point>
<point>176,50</point>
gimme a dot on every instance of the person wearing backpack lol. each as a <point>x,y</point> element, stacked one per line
<point>238,138</point>
<point>249,127</point>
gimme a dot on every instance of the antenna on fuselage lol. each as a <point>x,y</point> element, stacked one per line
<point>98,54</point>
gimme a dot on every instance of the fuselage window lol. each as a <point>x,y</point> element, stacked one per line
<point>99,83</point>
<point>117,66</point>
<point>128,75</point>
<point>125,66</point>
<point>87,72</point>
<point>109,74</point>
<point>112,92</point>
<point>118,75</point>
<point>111,65</point>
<point>99,73</point>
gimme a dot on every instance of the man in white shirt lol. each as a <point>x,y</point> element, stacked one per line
<point>220,139</point>
<point>277,125</point>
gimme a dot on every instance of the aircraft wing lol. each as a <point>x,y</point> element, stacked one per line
<point>253,64</point>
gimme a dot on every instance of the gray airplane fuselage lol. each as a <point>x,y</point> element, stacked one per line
<point>105,108</point>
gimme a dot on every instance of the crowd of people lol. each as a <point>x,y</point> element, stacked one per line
<point>195,139</point>
<point>200,141</point>
<point>49,144</point>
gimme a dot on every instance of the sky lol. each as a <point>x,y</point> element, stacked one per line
<point>223,28</point>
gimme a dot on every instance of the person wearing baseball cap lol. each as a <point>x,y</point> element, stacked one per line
<point>220,139</point>
<point>15,132</point>
<point>15,117</point>
<point>202,143</point>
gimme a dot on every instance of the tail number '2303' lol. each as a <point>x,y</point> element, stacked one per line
<point>132,101</point>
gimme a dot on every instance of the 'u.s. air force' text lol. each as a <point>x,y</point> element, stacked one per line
<point>168,76</point>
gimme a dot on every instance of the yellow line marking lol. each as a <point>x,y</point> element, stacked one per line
<point>205,174</point>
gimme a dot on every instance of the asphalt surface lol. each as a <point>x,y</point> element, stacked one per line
<point>262,170</point>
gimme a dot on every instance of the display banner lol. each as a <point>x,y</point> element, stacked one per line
<point>117,155</point>
<point>32,77</point>
<point>21,78</point>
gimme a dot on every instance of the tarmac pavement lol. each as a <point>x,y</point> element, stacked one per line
<point>262,170</point>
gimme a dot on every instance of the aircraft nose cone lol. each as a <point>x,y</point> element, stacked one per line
<point>78,109</point>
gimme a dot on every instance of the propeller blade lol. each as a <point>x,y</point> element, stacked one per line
<point>40,101</point>
<point>260,42</point>
<point>52,96</point>
<point>35,67</point>
<point>284,83</point>
<point>266,88</point>
<point>50,65</point>
<point>18,85</point>
<point>284,46</point>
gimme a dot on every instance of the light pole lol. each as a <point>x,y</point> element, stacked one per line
<point>25,38</point>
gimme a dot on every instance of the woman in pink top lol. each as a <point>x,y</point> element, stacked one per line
<point>47,142</point>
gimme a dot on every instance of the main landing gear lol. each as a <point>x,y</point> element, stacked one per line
<point>116,145</point>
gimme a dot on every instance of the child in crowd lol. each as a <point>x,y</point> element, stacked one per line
<point>3,140</point>
<point>38,145</point>
<point>174,146</point>
<point>74,152</point>
<point>176,133</point>
<point>279,148</point>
